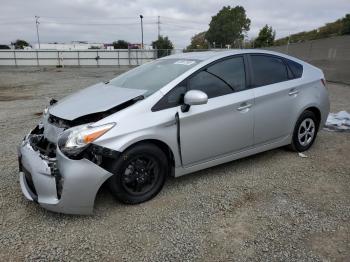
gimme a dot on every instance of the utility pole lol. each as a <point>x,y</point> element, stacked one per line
<point>37,28</point>
<point>288,43</point>
<point>141,16</point>
<point>158,22</point>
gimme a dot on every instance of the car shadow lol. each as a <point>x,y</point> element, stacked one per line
<point>105,203</point>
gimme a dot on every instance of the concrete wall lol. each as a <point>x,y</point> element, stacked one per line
<point>120,57</point>
<point>332,55</point>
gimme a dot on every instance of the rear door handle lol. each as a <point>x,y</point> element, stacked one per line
<point>244,106</point>
<point>293,92</point>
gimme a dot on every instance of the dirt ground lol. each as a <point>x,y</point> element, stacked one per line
<point>274,206</point>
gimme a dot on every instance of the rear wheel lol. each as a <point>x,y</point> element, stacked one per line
<point>139,174</point>
<point>305,132</point>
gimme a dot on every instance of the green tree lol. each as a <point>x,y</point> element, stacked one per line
<point>20,44</point>
<point>120,44</point>
<point>163,44</point>
<point>338,27</point>
<point>228,26</point>
<point>198,41</point>
<point>266,37</point>
<point>330,29</point>
<point>346,25</point>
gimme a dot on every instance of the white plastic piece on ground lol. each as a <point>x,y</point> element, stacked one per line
<point>302,155</point>
<point>338,121</point>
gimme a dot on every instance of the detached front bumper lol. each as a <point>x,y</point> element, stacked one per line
<point>59,184</point>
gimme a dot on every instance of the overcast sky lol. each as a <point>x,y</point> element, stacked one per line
<point>109,20</point>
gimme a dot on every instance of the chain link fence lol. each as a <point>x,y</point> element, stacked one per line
<point>100,57</point>
<point>332,55</point>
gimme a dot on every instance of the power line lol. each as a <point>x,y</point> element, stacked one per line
<point>105,19</point>
<point>43,22</point>
<point>14,20</point>
<point>180,20</point>
<point>181,26</point>
<point>15,23</point>
<point>110,21</point>
<point>93,24</point>
<point>109,17</point>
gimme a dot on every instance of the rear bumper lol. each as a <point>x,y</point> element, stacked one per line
<point>72,192</point>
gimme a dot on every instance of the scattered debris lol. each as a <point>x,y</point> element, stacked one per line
<point>302,155</point>
<point>338,121</point>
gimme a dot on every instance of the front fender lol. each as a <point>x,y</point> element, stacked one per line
<point>166,134</point>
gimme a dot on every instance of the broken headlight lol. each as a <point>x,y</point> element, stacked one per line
<point>73,141</point>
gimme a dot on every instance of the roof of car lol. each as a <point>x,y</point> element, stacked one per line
<point>204,55</point>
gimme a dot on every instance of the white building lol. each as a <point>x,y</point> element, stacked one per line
<point>81,45</point>
<point>76,45</point>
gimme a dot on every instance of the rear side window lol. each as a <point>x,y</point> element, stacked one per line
<point>231,71</point>
<point>268,70</point>
<point>296,68</point>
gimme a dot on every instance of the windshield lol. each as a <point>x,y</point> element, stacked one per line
<point>154,75</point>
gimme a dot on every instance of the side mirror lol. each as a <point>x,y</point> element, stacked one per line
<point>194,97</point>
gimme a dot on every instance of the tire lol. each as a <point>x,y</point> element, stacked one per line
<point>305,132</point>
<point>139,174</point>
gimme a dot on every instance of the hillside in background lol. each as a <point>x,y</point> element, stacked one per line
<point>339,27</point>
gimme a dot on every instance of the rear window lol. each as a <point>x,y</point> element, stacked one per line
<point>296,68</point>
<point>268,70</point>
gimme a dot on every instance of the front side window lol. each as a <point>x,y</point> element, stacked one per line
<point>231,71</point>
<point>222,78</point>
<point>173,98</point>
<point>210,84</point>
<point>268,70</point>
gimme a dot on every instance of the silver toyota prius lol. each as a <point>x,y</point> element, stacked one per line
<point>172,116</point>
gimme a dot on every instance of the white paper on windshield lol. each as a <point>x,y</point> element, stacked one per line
<point>185,62</point>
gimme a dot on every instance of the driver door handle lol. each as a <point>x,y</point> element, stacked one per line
<point>293,92</point>
<point>244,106</point>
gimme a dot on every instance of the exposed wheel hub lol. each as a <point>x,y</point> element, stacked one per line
<point>140,175</point>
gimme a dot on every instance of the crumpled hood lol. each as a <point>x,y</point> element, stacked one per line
<point>93,99</point>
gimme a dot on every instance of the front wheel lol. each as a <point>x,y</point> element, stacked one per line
<point>305,132</point>
<point>139,174</point>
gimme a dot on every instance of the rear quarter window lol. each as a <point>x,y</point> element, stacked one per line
<point>296,68</point>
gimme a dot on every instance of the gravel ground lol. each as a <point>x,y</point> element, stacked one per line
<point>274,206</point>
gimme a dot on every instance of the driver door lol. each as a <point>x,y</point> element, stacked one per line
<point>225,124</point>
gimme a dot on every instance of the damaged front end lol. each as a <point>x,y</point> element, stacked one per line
<point>61,183</point>
<point>60,167</point>
<point>38,155</point>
